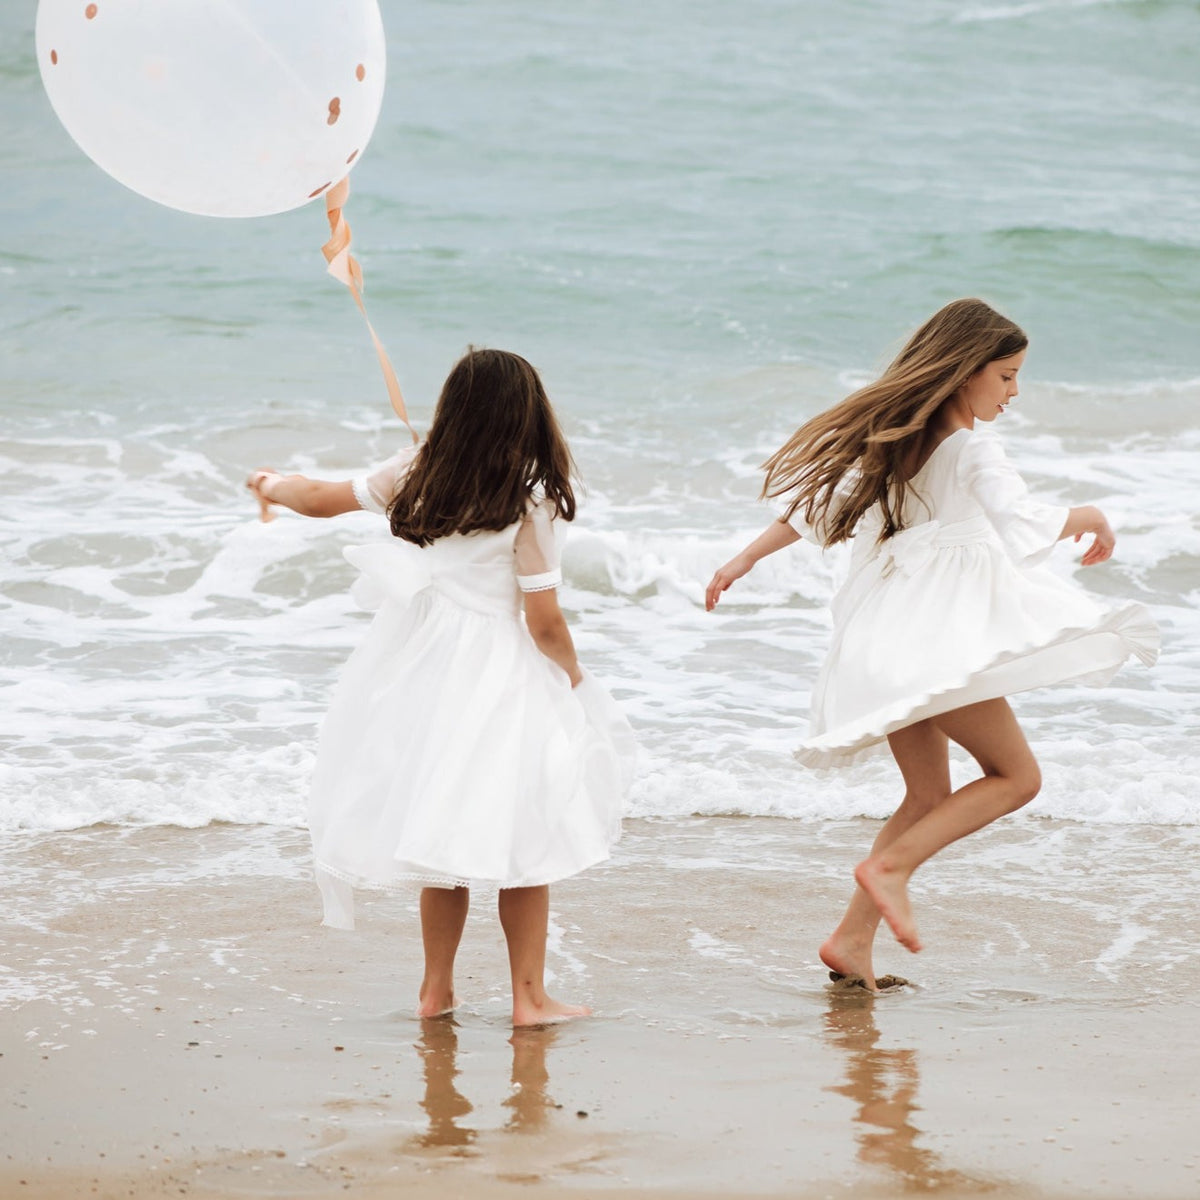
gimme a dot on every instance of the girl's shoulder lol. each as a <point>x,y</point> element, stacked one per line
<point>953,446</point>
<point>962,452</point>
<point>540,509</point>
<point>978,449</point>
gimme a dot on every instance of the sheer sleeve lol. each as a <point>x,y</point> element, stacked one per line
<point>1029,528</point>
<point>536,549</point>
<point>374,491</point>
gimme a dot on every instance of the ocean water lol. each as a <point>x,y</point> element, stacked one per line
<point>704,222</point>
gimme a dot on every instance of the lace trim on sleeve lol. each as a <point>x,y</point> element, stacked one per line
<point>374,491</point>
<point>362,493</point>
<point>537,562</point>
<point>543,582</point>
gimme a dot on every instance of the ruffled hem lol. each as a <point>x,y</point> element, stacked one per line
<point>410,873</point>
<point>337,887</point>
<point>1132,626</point>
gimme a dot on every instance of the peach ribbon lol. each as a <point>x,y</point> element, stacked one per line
<point>343,266</point>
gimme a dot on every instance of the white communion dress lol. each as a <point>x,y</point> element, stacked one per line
<point>454,752</point>
<point>955,608</point>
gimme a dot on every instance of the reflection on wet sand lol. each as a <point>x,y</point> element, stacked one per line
<point>884,1083</point>
<point>445,1106</point>
<point>443,1103</point>
<point>529,1101</point>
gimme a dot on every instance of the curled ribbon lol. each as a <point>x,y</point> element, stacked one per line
<point>910,549</point>
<point>343,266</point>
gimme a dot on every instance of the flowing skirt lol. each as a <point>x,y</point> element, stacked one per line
<point>455,753</point>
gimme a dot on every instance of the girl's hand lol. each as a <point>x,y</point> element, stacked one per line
<point>260,483</point>
<point>1102,545</point>
<point>735,568</point>
<point>777,535</point>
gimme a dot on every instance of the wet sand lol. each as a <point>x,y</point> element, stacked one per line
<point>173,1021</point>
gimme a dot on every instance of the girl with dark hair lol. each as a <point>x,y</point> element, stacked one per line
<point>464,744</point>
<point>946,610</point>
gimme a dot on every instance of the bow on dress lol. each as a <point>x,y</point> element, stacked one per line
<point>911,549</point>
<point>394,570</point>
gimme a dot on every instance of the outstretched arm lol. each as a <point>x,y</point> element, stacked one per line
<point>548,628</point>
<point>777,535</point>
<point>308,497</point>
<point>1089,519</point>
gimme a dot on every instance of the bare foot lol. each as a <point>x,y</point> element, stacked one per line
<point>549,1012</point>
<point>889,891</point>
<point>433,1002</point>
<point>848,960</point>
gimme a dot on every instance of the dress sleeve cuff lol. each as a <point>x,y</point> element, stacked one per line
<point>362,493</point>
<point>1033,531</point>
<point>801,527</point>
<point>540,583</point>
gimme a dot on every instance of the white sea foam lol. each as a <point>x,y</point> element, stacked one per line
<point>168,657</point>
<point>1012,12</point>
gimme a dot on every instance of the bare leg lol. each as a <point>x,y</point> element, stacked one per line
<point>989,732</point>
<point>927,783</point>
<point>443,915</point>
<point>524,917</point>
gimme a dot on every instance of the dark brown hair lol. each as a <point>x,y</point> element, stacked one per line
<point>494,441</point>
<point>879,428</point>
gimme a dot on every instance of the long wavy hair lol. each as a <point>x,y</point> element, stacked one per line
<point>494,441</point>
<point>879,428</point>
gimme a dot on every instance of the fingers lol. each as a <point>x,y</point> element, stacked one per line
<point>255,478</point>
<point>713,593</point>
<point>1099,551</point>
<point>255,483</point>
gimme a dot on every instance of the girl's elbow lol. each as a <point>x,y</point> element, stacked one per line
<point>546,631</point>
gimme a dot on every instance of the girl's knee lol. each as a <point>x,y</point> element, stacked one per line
<point>1026,783</point>
<point>917,803</point>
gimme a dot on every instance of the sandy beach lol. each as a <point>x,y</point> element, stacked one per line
<point>175,1022</point>
<point>703,224</point>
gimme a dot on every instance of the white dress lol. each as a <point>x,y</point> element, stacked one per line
<point>454,752</point>
<point>955,608</point>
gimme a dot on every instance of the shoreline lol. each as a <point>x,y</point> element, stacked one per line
<point>173,1021</point>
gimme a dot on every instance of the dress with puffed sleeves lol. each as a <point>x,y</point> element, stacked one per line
<point>454,753</point>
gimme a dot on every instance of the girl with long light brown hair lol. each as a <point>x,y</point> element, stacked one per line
<point>464,744</point>
<point>945,610</point>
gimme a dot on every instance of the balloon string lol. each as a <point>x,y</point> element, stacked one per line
<point>344,267</point>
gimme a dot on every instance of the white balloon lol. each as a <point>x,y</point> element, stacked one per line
<point>226,108</point>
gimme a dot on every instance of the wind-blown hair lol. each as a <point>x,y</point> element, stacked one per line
<point>878,429</point>
<point>494,441</point>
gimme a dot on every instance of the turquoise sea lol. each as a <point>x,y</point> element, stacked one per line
<point>703,221</point>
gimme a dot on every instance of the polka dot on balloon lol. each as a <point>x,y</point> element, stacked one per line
<point>318,191</point>
<point>360,72</point>
<point>90,12</point>
<point>352,158</point>
<point>54,57</point>
<point>335,111</point>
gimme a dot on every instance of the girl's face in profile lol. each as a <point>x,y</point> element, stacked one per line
<point>988,392</point>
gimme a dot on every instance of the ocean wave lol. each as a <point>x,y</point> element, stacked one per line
<point>1015,12</point>
<point>167,657</point>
